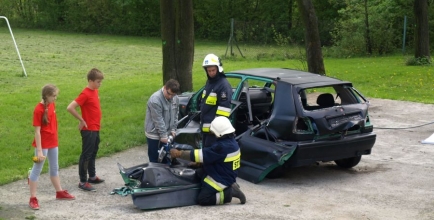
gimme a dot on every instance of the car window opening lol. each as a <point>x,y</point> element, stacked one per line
<point>261,101</point>
<point>313,99</point>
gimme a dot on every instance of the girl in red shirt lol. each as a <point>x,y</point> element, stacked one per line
<point>46,145</point>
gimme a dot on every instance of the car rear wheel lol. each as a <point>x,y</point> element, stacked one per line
<point>348,162</point>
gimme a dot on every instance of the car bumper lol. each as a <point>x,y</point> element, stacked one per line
<point>347,147</point>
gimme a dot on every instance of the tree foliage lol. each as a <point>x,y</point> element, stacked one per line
<point>341,23</point>
<point>386,24</point>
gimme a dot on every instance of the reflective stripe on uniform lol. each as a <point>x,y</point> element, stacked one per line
<point>220,198</point>
<point>223,111</point>
<point>211,99</point>
<point>205,127</point>
<point>198,155</point>
<point>234,158</point>
<point>214,184</point>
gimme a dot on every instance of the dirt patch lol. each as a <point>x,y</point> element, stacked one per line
<point>394,182</point>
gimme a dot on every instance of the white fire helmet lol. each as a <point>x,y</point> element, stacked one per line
<point>212,60</point>
<point>221,126</point>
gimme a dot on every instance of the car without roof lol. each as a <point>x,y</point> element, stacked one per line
<point>288,118</point>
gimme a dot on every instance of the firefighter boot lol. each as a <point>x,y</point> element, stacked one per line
<point>236,192</point>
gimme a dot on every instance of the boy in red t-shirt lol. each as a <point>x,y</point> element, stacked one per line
<point>46,145</point>
<point>89,126</point>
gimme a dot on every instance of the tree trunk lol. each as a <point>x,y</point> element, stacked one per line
<point>185,45</point>
<point>368,35</point>
<point>168,37</point>
<point>290,13</point>
<point>177,34</point>
<point>315,61</point>
<point>422,32</point>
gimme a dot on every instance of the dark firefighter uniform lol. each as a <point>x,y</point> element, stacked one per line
<point>216,101</point>
<point>220,164</point>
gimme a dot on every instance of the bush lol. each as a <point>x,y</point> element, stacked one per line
<point>419,61</point>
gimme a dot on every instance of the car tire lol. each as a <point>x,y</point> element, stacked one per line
<point>276,173</point>
<point>348,162</point>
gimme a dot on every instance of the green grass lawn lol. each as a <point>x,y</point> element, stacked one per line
<point>132,67</point>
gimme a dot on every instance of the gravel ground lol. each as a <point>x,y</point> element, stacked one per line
<point>394,182</point>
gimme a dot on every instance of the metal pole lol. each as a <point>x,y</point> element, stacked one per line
<point>16,47</point>
<point>231,38</point>
<point>403,34</point>
<point>232,34</point>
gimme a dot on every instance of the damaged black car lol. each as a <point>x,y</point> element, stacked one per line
<point>288,118</point>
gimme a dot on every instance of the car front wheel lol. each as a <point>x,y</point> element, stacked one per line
<point>348,162</point>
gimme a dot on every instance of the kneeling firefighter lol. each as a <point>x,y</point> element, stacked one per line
<point>220,163</point>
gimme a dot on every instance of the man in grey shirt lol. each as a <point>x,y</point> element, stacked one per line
<point>161,118</point>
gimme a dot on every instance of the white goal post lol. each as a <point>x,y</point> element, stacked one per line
<point>16,47</point>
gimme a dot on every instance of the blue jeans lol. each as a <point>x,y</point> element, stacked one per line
<point>153,147</point>
<point>86,165</point>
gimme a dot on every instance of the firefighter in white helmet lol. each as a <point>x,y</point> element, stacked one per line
<point>220,162</point>
<point>216,97</point>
